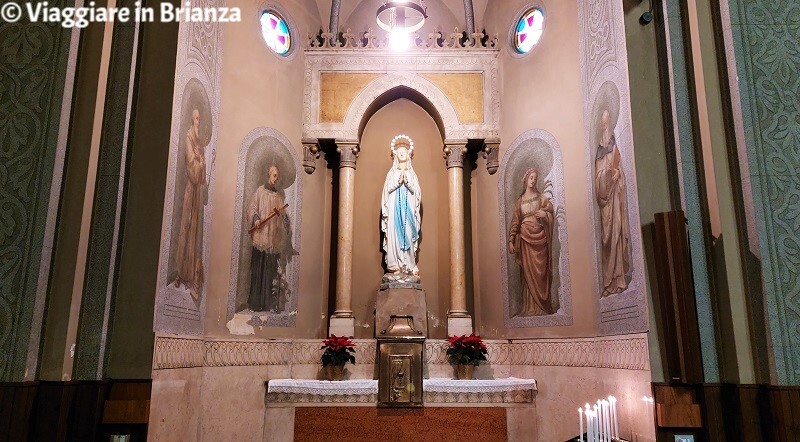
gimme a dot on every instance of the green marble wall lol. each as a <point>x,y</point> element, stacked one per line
<point>97,303</point>
<point>766,37</point>
<point>690,168</point>
<point>33,60</point>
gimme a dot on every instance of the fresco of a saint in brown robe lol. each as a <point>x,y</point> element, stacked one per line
<point>530,240</point>
<point>609,187</point>
<point>188,256</point>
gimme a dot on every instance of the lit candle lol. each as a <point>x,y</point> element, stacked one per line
<point>600,420</point>
<point>613,401</point>
<point>596,422</point>
<point>588,423</point>
<point>606,420</point>
<point>580,424</point>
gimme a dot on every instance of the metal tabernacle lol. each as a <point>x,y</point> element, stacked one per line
<point>400,358</point>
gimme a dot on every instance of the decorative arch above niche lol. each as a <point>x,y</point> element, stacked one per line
<point>535,149</point>
<point>262,149</point>
<point>341,85</point>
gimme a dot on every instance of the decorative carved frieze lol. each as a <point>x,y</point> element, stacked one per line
<point>173,352</point>
<point>370,39</point>
<point>629,352</point>
<point>500,397</point>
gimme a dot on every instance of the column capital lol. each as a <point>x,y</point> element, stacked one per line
<point>310,154</point>
<point>491,153</point>
<point>348,150</point>
<point>454,151</point>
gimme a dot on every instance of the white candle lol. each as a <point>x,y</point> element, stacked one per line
<point>606,420</point>
<point>600,421</point>
<point>588,423</point>
<point>613,401</point>
<point>580,424</point>
<point>596,422</point>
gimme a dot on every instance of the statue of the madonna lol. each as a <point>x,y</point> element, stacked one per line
<point>400,204</point>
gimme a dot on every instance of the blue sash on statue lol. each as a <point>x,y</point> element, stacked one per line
<point>403,215</point>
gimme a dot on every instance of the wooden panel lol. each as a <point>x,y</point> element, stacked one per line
<point>373,424</point>
<point>670,394</point>
<point>6,404</point>
<point>24,395</point>
<point>750,412</point>
<point>676,297</point>
<point>715,411</point>
<point>126,412</point>
<point>52,409</point>
<point>679,415</point>
<point>88,406</point>
<point>795,407</point>
<point>138,390</point>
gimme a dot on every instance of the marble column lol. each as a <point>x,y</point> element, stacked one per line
<point>342,323</point>
<point>458,320</point>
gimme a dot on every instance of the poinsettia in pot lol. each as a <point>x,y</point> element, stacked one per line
<point>466,353</point>
<point>339,350</point>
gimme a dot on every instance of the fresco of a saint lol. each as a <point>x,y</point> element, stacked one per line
<point>189,254</point>
<point>530,241</point>
<point>270,231</point>
<point>610,194</point>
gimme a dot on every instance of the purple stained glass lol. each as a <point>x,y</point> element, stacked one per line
<point>529,30</point>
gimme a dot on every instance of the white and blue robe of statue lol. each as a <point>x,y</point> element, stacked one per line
<point>400,219</point>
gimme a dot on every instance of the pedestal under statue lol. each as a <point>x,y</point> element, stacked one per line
<point>401,292</point>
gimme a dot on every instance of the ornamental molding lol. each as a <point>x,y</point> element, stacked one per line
<point>177,352</point>
<point>401,70</point>
<point>629,352</point>
<point>376,40</point>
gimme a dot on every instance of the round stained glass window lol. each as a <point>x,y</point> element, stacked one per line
<point>276,32</point>
<point>529,30</point>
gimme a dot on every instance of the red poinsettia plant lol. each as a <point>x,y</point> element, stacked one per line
<point>339,350</point>
<point>466,350</point>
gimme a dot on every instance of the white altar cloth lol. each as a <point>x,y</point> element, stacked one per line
<point>327,388</point>
<point>445,385</point>
<point>370,386</point>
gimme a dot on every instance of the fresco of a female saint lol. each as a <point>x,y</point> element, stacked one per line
<point>400,210</point>
<point>530,241</point>
<point>609,187</point>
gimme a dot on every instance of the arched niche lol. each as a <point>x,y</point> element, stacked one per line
<point>397,93</point>
<point>390,87</point>
<point>397,116</point>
